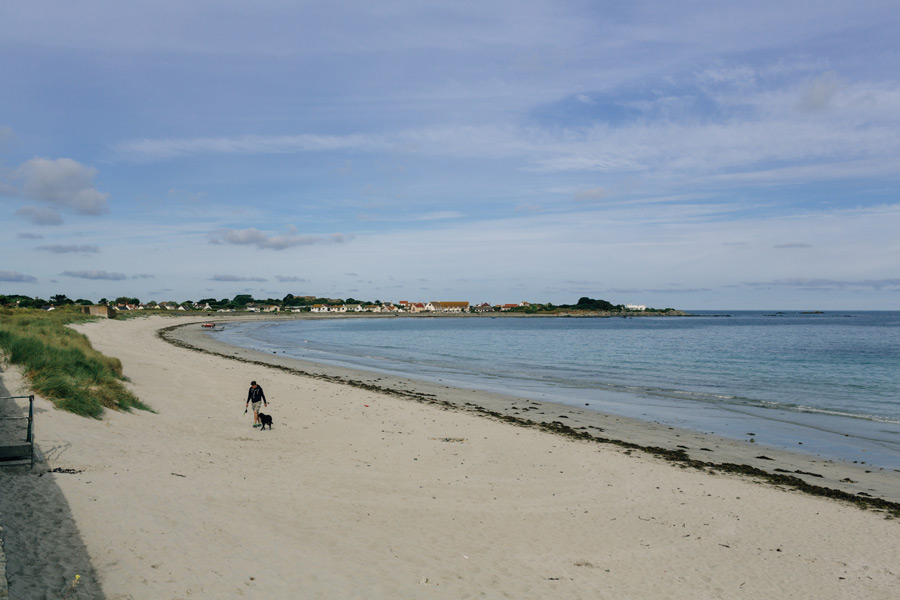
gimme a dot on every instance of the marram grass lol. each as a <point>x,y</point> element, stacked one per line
<point>60,363</point>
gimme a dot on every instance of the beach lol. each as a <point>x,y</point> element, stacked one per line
<point>369,486</point>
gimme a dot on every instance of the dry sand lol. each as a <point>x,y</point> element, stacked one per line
<point>358,493</point>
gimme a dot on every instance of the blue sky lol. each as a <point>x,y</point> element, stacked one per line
<point>674,154</point>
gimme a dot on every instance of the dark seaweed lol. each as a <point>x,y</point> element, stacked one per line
<point>679,456</point>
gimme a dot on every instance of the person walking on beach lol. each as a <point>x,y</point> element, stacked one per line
<point>255,396</point>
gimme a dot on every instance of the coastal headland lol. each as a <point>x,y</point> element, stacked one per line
<point>377,487</point>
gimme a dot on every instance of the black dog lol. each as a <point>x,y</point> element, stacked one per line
<point>265,420</point>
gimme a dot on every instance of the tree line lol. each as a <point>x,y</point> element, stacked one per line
<point>238,302</point>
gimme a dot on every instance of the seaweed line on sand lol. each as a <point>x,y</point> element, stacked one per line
<point>677,456</point>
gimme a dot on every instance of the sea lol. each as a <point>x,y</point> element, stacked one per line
<point>820,383</point>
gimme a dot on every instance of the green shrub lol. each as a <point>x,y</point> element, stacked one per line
<point>60,363</point>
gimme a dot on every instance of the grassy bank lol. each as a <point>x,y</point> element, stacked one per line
<point>60,363</point>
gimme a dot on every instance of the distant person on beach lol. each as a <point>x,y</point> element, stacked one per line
<point>256,396</point>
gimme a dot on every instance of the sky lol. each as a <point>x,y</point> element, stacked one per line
<point>694,155</point>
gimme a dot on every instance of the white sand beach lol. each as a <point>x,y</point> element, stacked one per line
<point>356,493</point>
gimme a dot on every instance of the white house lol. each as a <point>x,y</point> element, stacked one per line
<point>449,307</point>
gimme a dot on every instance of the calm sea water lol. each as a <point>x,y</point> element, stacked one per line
<point>827,384</point>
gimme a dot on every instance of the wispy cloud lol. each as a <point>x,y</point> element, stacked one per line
<point>260,239</point>
<point>69,249</point>
<point>793,245</point>
<point>393,216</point>
<point>820,92</point>
<point>674,290</point>
<point>167,149</point>
<point>95,274</point>
<point>805,283</point>
<point>16,277</point>
<point>40,215</point>
<point>440,215</point>
<point>591,194</point>
<point>745,132</point>
<point>236,278</point>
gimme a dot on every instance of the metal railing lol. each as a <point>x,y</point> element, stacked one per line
<point>10,452</point>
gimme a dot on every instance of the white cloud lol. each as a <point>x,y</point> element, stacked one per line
<point>95,274</point>
<point>16,277</point>
<point>254,237</point>
<point>62,183</point>
<point>41,215</point>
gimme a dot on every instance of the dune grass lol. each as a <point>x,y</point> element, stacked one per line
<point>60,363</point>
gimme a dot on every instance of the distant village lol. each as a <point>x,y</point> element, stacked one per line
<point>337,306</point>
<point>245,303</point>
<point>332,306</point>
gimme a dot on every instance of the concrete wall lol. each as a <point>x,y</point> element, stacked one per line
<point>99,310</point>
